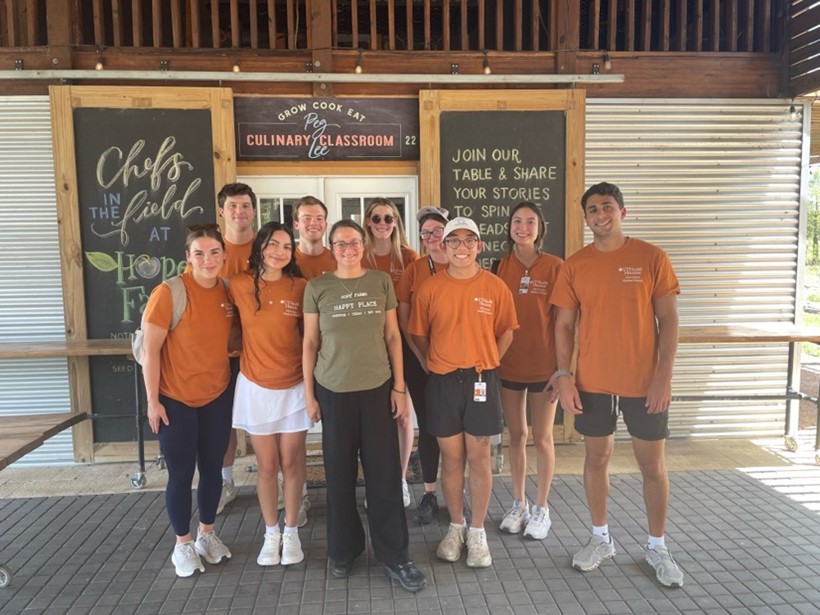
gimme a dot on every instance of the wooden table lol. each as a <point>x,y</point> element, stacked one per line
<point>23,433</point>
<point>759,333</point>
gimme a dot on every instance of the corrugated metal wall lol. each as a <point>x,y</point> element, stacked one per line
<point>31,298</point>
<point>716,183</point>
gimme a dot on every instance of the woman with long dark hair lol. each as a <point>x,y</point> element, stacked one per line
<point>269,401</point>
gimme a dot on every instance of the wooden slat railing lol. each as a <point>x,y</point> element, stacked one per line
<point>804,38</point>
<point>407,25</point>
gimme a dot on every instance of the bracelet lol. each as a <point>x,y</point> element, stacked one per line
<point>399,392</point>
<point>561,373</point>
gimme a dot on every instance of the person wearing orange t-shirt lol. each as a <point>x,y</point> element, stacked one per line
<point>269,401</point>
<point>462,321</point>
<point>186,376</point>
<point>528,365</point>
<point>236,204</point>
<point>310,220</point>
<point>386,249</point>
<point>623,293</point>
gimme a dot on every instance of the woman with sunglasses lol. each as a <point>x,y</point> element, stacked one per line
<point>186,375</point>
<point>431,224</point>
<point>354,384</point>
<point>387,249</point>
<point>527,367</point>
<point>269,402</point>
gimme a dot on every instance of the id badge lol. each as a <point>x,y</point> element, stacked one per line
<point>480,391</point>
<point>524,285</point>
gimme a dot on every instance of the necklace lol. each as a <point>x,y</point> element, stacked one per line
<point>358,281</point>
<point>266,290</point>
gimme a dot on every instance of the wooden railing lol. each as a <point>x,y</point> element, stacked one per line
<point>409,25</point>
<point>804,46</point>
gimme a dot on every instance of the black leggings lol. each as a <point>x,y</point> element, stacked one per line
<point>416,379</point>
<point>194,437</point>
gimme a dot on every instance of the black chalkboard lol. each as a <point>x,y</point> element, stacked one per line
<point>143,176</point>
<point>493,160</point>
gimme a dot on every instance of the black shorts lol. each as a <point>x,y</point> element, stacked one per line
<point>452,409</point>
<point>600,417</point>
<point>530,387</point>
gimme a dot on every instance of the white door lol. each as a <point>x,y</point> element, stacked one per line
<point>345,197</point>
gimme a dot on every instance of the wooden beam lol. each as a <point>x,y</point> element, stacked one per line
<point>408,17</point>
<point>235,34</point>
<point>354,18</point>
<point>481,18</point>
<point>445,25</point>
<point>567,22</point>
<point>320,31</point>
<point>116,22</point>
<point>518,18</point>
<point>683,19</point>
<point>612,26</point>
<point>291,24</point>
<point>176,25</point>
<point>715,26</point>
<point>196,24</point>
<point>465,34</point>
<point>594,32</point>
<point>391,24</point>
<point>99,23</point>
<point>698,25</point>
<point>646,26</point>
<point>427,18</point>
<point>535,26</point>
<point>499,25</point>
<point>216,42</point>
<point>731,24</point>
<point>749,28</point>
<point>156,22</point>
<point>374,33</point>
<point>666,15</point>
<point>765,29</point>
<point>59,31</point>
<point>254,23</point>
<point>631,17</point>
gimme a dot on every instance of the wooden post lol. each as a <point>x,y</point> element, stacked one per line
<point>320,33</point>
<point>60,17</point>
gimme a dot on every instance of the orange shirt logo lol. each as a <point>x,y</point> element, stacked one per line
<point>631,274</point>
<point>484,305</point>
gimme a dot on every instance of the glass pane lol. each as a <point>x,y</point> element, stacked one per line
<point>269,209</point>
<point>353,208</point>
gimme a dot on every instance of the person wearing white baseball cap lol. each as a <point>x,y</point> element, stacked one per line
<point>462,321</point>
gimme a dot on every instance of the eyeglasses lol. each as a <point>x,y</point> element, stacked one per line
<point>436,232</point>
<point>454,242</point>
<point>198,228</point>
<point>377,219</point>
<point>341,246</point>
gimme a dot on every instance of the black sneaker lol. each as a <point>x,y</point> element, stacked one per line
<point>428,506</point>
<point>409,577</point>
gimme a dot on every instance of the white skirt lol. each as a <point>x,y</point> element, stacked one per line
<point>262,412</point>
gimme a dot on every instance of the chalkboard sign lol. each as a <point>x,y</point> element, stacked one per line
<point>493,160</point>
<point>143,176</point>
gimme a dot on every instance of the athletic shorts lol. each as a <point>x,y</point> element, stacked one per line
<point>600,417</point>
<point>530,387</point>
<point>452,409</point>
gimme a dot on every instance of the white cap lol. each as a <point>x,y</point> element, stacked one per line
<point>461,223</point>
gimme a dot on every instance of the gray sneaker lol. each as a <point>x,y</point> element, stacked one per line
<point>478,552</point>
<point>593,555</point>
<point>666,569</point>
<point>228,495</point>
<point>304,507</point>
<point>450,548</point>
<point>185,559</point>
<point>516,518</point>
<point>211,548</point>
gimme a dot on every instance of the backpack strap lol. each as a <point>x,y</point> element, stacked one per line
<point>179,299</point>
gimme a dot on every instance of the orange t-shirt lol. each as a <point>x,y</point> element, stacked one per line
<point>415,274</point>
<point>617,330</point>
<point>389,266</point>
<point>193,365</point>
<point>271,335</point>
<point>462,319</point>
<point>236,257</point>
<point>312,266</point>
<point>531,356</point>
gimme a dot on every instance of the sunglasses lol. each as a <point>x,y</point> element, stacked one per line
<point>377,219</point>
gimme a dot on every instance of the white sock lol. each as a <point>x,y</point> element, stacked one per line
<point>536,509</point>
<point>601,530</point>
<point>304,490</point>
<point>291,530</point>
<point>460,526</point>
<point>271,529</point>
<point>476,530</point>
<point>653,542</point>
<point>227,474</point>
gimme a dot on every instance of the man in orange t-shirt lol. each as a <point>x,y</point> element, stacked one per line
<point>237,207</point>
<point>310,221</point>
<point>623,293</point>
<point>462,321</point>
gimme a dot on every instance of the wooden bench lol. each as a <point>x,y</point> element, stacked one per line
<point>756,334</point>
<point>22,433</point>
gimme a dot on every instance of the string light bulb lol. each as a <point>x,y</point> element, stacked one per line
<point>99,65</point>
<point>607,61</point>
<point>487,69</point>
<point>358,69</point>
<point>235,68</point>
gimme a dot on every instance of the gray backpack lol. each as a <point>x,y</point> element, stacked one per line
<point>179,299</point>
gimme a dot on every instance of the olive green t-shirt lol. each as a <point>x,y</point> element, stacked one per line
<point>353,354</point>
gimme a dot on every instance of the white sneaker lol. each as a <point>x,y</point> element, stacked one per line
<point>666,569</point>
<point>594,554</point>
<point>450,548</point>
<point>516,518</point>
<point>405,493</point>
<point>291,549</point>
<point>538,527</point>
<point>185,559</point>
<point>228,495</point>
<point>304,507</point>
<point>211,548</point>
<point>478,551</point>
<point>269,555</point>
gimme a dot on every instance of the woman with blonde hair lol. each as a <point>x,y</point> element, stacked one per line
<point>386,249</point>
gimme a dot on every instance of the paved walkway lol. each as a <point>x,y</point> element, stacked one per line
<point>745,548</point>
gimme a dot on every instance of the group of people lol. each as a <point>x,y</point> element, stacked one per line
<point>350,334</point>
